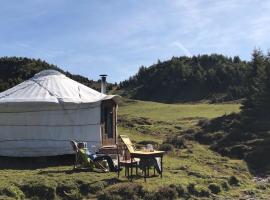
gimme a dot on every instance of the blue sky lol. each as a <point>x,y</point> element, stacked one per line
<point>90,37</point>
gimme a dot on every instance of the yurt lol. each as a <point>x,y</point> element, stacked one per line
<point>40,116</point>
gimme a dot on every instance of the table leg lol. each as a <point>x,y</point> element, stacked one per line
<point>144,169</point>
<point>161,160</point>
<point>131,175</point>
<point>131,168</point>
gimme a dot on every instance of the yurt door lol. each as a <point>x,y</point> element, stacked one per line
<point>108,122</point>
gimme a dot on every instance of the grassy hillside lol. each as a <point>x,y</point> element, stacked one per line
<point>183,79</point>
<point>195,171</point>
<point>175,112</point>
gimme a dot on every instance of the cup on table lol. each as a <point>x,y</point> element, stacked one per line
<point>150,147</point>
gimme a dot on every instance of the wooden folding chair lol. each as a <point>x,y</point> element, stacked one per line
<point>82,162</point>
<point>124,158</point>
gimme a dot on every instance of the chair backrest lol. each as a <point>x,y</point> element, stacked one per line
<point>128,143</point>
<point>74,145</point>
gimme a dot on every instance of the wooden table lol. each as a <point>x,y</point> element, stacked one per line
<point>147,155</point>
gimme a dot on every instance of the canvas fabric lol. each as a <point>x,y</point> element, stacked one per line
<point>41,115</point>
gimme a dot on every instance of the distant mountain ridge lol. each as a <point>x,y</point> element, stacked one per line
<point>14,70</point>
<point>214,77</point>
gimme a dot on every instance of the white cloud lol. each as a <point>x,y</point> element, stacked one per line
<point>182,48</point>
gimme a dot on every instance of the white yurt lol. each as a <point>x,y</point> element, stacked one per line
<point>40,116</point>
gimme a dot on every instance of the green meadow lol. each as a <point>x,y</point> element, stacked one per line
<point>190,172</point>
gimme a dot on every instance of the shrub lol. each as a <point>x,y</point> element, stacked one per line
<point>122,191</point>
<point>12,191</point>
<point>225,185</point>
<point>179,189</point>
<point>198,190</point>
<point>258,158</point>
<point>40,190</point>
<point>203,122</point>
<point>94,188</point>
<point>149,195</point>
<point>203,192</point>
<point>233,181</point>
<point>166,193</point>
<point>177,141</point>
<point>239,151</point>
<point>209,137</point>
<point>215,188</point>
<point>69,191</point>
<point>166,147</point>
<point>6,198</point>
<point>191,188</point>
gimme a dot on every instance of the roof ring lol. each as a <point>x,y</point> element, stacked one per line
<point>49,72</point>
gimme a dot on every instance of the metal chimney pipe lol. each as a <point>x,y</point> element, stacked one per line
<point>103,83</point>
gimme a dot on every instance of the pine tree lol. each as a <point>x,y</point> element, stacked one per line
<point>256,103</point>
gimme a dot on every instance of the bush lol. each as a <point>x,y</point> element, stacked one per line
<point>6,198</point>
<point>179,189</point>
<point>135,191</point>
<point>198,190</point>
<point>204,122</point>
<point>41,190</point>
<point>215,188</point>
<point>225,185</point>
<point>203,192</point>
<point>258,158</point>
<point>94,188</point>
<point>122,191</point>
<point>166,147</point>
<point>239,151</point>
<point>233,181</point>
<point>176,141</point>
<point>68,191</point>
<point>166,193</point>
<point>12,191</point>
<point>209,137</point>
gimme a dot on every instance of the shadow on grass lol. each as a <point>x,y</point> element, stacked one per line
<point>70,171</point>
<point>35,162</point>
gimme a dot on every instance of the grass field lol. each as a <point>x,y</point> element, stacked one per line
<point>194,165</point>
<point>175,112</point>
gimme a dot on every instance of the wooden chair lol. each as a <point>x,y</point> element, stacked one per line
<point>124,159</point>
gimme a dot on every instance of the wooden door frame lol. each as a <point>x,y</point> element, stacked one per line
<point>113,105</point>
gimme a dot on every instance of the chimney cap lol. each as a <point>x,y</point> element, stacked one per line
<point>103,75</point>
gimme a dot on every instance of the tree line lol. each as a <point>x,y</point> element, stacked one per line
<point>214,77</point>
<point>14,70</point>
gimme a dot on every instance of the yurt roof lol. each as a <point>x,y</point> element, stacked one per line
<point>50,86</point>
